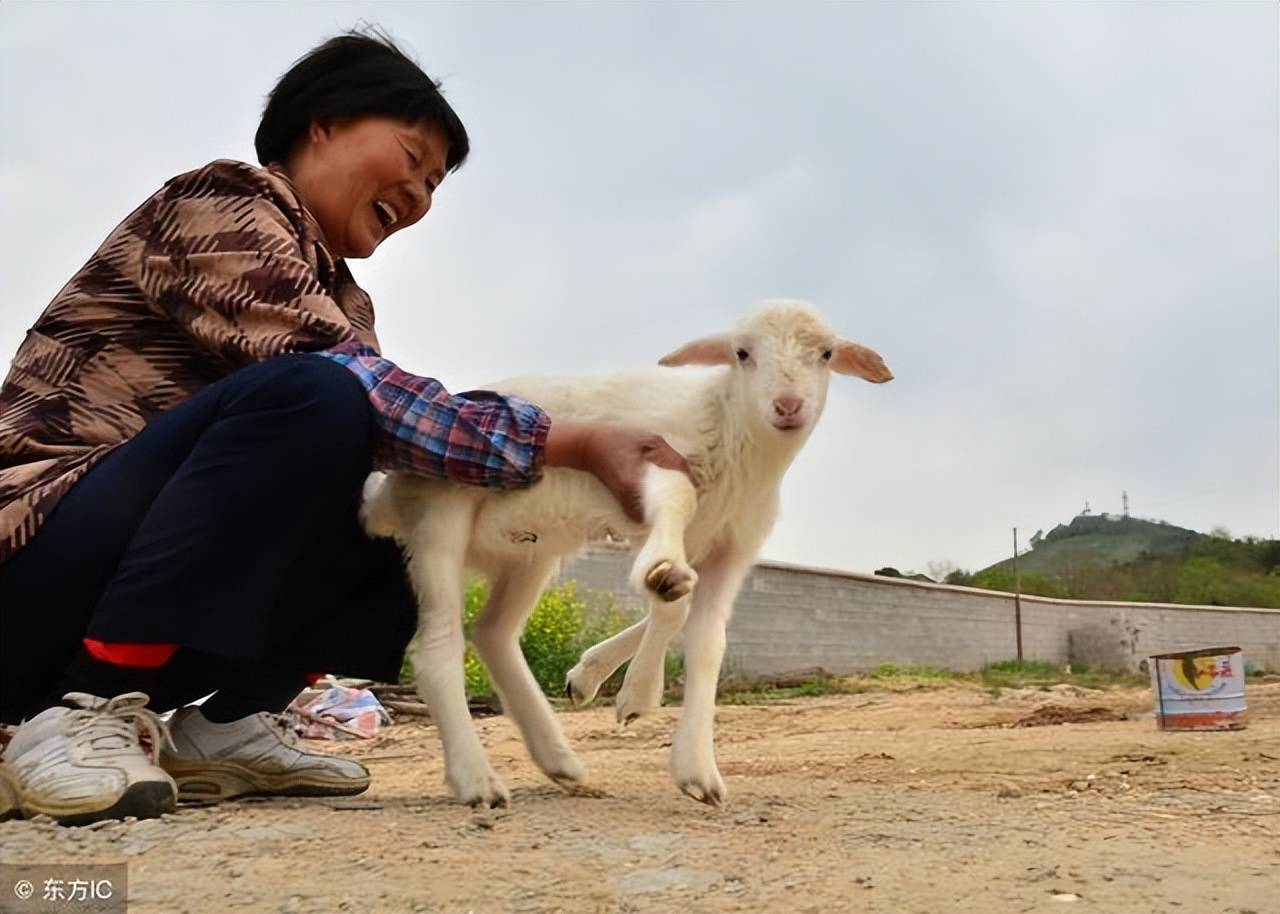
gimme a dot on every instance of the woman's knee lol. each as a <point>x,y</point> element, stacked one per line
<point>315,384</point>
<point>311,408</point>
<point>302,391</point>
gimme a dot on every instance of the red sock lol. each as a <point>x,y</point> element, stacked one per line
<point>139,656</point>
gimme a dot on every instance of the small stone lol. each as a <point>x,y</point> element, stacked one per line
<point>1066,896</point>
<point>1080,786</point>
<point>43,819</point>
<point>1008,791</point>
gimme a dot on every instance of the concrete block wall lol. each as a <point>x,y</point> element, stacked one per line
<point>790,618</point>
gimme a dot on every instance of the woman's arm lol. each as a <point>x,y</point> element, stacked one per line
<point>617,456</point>
<point>482,438</point>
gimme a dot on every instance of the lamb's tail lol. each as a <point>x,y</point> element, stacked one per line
<point>377,509</point>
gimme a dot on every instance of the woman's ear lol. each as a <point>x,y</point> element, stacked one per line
<point>320,131</point>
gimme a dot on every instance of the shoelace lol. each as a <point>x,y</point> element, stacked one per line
<point>288,729</point>
<point>125,716</point>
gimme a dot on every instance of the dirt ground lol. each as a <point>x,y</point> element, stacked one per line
<point>909,801</point>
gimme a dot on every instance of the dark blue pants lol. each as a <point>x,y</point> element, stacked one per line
<point>228,526</point>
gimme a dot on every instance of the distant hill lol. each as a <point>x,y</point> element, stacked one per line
<point>1105,557</point>
<point>1091,540</point>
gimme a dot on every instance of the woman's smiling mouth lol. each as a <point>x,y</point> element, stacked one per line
<point>386,213</point>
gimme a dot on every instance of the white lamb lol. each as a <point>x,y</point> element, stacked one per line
<point>740,426</point>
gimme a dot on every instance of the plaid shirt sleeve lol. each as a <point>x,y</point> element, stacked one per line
<point>478,437</point>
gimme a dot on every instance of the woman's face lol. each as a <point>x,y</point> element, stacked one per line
<point>367,178</point>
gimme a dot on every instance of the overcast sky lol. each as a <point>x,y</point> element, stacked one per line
<point>1058,222</point>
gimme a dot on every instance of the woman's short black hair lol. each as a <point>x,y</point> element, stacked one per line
<point>355,75</point>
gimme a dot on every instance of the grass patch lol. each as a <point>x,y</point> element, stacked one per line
<point>1030,674</point>
<point>910,671</point>
<point>890,677</point>
<point>760,693</point>
<point>1025,667</point>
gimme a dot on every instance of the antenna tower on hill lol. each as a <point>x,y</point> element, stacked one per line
<point>1125,496</point>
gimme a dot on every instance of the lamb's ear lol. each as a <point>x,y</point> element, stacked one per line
<point>710,350</point>
<point>855,359</point>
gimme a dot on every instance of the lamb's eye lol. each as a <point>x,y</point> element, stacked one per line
<point>826,356</point>
<point>743,355</point>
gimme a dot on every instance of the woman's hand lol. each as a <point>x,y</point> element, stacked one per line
<point>619,458</point>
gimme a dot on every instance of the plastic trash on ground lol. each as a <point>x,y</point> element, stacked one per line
<point>341,712</point>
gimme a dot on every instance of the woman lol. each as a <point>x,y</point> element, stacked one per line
<point>183,438</point>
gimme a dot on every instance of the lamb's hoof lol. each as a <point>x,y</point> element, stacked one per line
<point>579,686</point>
<point>483,792</point>
<point>628,710</point>
<point>670,582</point>
<point>640,694</point>
<point>694,770</point>
<point>713,793</point>
<point>569,783</point>
<point>562,767</point>
<point>492,801</point>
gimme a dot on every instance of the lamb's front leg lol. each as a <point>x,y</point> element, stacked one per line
<point>436,570</point>
<point>641,691</point>
<point>661,568</point>
<point>693,756</point>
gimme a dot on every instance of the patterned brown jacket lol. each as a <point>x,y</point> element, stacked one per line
<point>221,267</point>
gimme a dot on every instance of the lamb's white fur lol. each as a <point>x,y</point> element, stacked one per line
<point>728,421</point>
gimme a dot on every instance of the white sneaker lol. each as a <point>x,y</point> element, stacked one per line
<point>258,754</point>
<point>8,793</point>
<point>83,764</point>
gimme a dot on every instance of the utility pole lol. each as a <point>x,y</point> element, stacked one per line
<point>1017,595</point>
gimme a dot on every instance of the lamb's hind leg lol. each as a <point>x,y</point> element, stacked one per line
<point>497,639</point>
<point>600,661</point>
<point>438,551</point>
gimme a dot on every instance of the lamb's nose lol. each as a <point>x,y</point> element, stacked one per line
<point>787,405</point>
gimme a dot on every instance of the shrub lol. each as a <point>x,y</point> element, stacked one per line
<point>561,626</point>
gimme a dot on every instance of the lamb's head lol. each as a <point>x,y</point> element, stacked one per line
<point>782,358</point>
